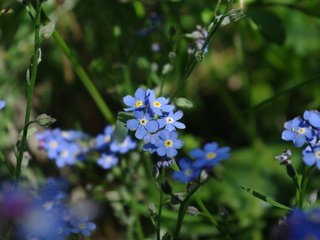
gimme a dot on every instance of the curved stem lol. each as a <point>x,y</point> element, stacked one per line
<point>160,205</point>
<point>31,84</point>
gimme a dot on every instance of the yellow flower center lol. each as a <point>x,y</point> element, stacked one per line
<point>108,159</point>
<point>82,226</point>
<point>138,103</point>
<point>123,144</point>
<point>168,143</point>
<point>210,155</point>
<point>188,172</point>
<point>169,120</point>
<point>64,153</point>
<point>317,153</point>
<point>143,121</point>
<point>301,130</point>
<point>157,104</point>
<point>107,139</point>
<point>53,144</point>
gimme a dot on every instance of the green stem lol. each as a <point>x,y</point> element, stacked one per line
<point>193,62</point>
<point>211,218</point>
<point>183,209</point>
<point>160,204</point>
<point>105,110</point>
<point>31,84</point>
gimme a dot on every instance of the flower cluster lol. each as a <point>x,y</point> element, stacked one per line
<point>301,225</point>
<point>42,214</point>
<point>155,121</point>
<point>305,130</point>
<point>68,147</point>
<point>64,147</point>
<point>204,159</point>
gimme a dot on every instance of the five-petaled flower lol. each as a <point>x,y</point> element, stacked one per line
<point>188,171</point>
<point>138,102</point>
<point>168,143</point>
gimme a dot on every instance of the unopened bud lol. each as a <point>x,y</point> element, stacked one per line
<point>44,120</point>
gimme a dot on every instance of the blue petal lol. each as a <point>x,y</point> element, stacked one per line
<point>129,100</point>
<point>162,122</point>
<point>141,132</point>
<point>140,94</point>
<point>170,127</point>
<point>161,150</point>
<point>132,124</point>
<point>152,126</point>
<point>299,141</point>
<point>196,153</point>
<point>313,118</point>
<point>177,115</point>
<point>185,163</point>
<point>167,108</point>
<point>171,152</point>
<point>288,135</point>
<point>177,144</point>
<point>309,159</point>
<point>210,147</point>
<point>179,125</point>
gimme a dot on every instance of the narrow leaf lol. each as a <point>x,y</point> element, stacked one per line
<point>266,199</point>
<point>120,131</point>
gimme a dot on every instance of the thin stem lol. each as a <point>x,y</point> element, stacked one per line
<point>211,217</point>
<point>160,204</point>
<point>31,84</point>
<point>183,209</point>
<point>105,110</point>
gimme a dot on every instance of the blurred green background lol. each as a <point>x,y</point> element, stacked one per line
<point>258,73</point>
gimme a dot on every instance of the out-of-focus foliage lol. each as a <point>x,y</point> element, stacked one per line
<point>257,73</point>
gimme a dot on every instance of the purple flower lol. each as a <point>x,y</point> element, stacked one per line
<point>188,171</point>
<point>107,161</point>
<point>138,102</point>
<point>143,124</point>
<point>210,155</point>
<point>170,121</point>
<point>168,143</point>
<point>299,131</point>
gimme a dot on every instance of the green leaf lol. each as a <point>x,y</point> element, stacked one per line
<point>269,24</point>
<point>266,199</point>
<point>120,132</point>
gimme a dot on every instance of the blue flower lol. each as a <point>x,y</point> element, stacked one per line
<point>123,147</point>
<point>188,171</point>
<point>150,140</point>
<point>170,121</point>
<point>138,102</point>
<point>299,131</point>
<point>53,146</point>
<point>168,143</point>
<point>159,105</point>
<point>2,104</point>
<point>311,155</point>
<point>210,156</point>
<point>82,226</point>
<point>103,140</point>
<point>68,155</point>
<point>143,124</point>
<point>107,161</point>
<point>302,225</point>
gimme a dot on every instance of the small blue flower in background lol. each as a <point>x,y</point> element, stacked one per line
<point>188,171</point>
<point>82,226</point>
<point>68,155</point>
<point>159,105</point>
<point>138,102</point>
<point>104,139</point>
<point>210,156</point>
<point>299,131</point>
<point>168,143</point>
<point>2,104</point>
<point>123,147</point>
<point>302,225</point>
<point>143,124</point>
<point>107,161</point>
<point>311,155</point>
<point>170,121</point>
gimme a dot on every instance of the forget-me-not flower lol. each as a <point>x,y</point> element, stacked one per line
<point>170,121</point>
<point>2,104</point>
<point>138,102</point>
<point>159,105</point>
<point>311,155</point>
<point>107,161</point>
<point>188,171</point>
<point>104,139</point>
<point>123,147</point>
<point>168,143</point>
<point>142,124</point>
